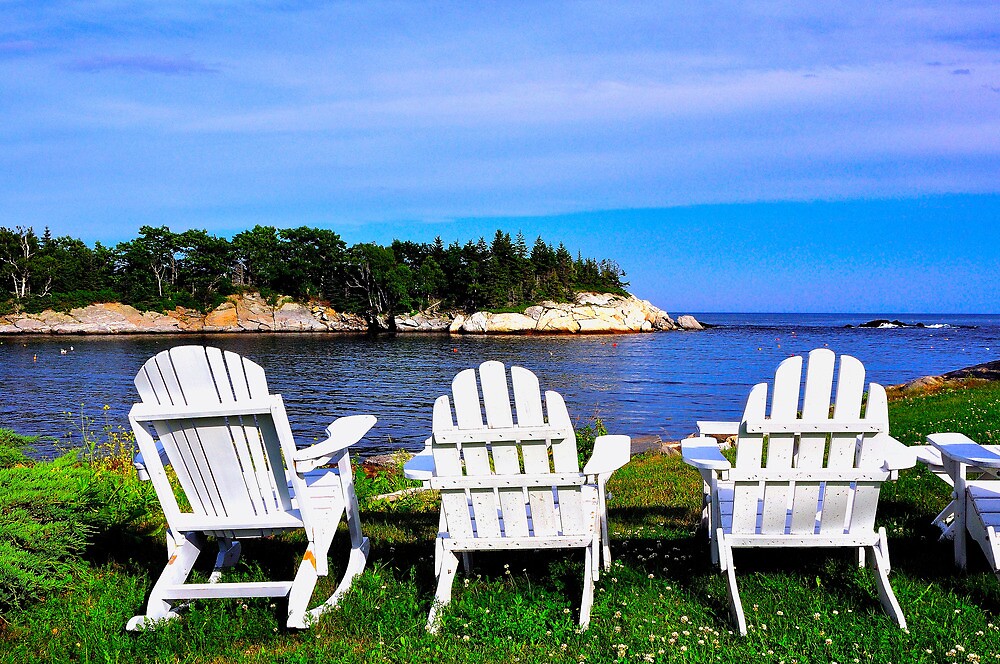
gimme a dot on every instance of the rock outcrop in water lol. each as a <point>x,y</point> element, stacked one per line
<point>974,375</point>
<point>590,313</point>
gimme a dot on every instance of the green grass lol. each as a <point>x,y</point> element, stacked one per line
<point>662,601</point>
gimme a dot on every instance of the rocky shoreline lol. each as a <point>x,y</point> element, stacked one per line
<point>591,313</point>
<point>969,376</point>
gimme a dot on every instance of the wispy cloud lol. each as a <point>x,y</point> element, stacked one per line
<point>17,46</point>
<point>144,64</point>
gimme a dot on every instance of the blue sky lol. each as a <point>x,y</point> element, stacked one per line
<point>730,156</point>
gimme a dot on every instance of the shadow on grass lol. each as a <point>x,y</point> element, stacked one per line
<point>669,518</point>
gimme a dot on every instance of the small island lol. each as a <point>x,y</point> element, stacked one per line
<point>308,280</point>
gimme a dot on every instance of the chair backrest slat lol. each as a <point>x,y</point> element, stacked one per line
<point>220,374</point>
<point>496,399</point>
<point>506,461</point>
<point>527,397</point>
<point>238,376</point>
<point>787,386</point>
<point>819,385</point>
<point>565,460</point>
<point>869,455</point>
<point>187,462</point>
<point>448,463</point>
<point>839,497</point>
<point>165,368</point>
<point>476,453</point>
<point>749,453</point>
<point>195,381</point>
<point>812,446</point>
<point>255,471</point>
<point>468,413</point>
<point>484,500</point>
<point>850,389</point>
<point>781,446</point>
<point>247,381</point>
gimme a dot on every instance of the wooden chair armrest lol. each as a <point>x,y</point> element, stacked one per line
<point>927,455</point>
<point>959,448</point>
<point>140,464</point>
<point>421,465</point>
<point>897,455</point>
<point>706,428</point>
<point>341,434</point>
<point>704,453</point>
<point>611,452</point>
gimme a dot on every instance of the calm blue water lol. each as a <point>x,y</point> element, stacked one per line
<point>639,384</point>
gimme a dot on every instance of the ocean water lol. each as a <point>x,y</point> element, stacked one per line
<point>641,384</point>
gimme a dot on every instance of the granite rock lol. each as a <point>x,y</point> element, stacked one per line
<point>688,323</point>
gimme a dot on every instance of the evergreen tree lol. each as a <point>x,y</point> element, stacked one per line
<point>565,272</point>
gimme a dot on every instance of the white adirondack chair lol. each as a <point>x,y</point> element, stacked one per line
<point>780,493</point>
<point>974,472</point>
<point>489,500</point>
<point>230,445</point>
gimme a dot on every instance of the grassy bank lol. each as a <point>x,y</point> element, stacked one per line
<point>662,601</point>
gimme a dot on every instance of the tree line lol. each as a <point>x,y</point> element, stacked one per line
<point>160,270</point>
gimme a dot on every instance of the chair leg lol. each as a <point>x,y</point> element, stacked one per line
<point>879,556</point>
<point>588,586</point>
<point>595,560</point>
<point>438,555</point>
<point>304,583</point>
<point>726,563</point>
<point>184,553</point>
<point>305,578</point>
<point>961,523</point>
<point>706,507</point>
<point>355,566</point>
<point>992,549</point>
<point>602,510</point>
<point>446,576</point>
<point>945,520</point>
<point>714,509</point>
<point>229,555</point>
